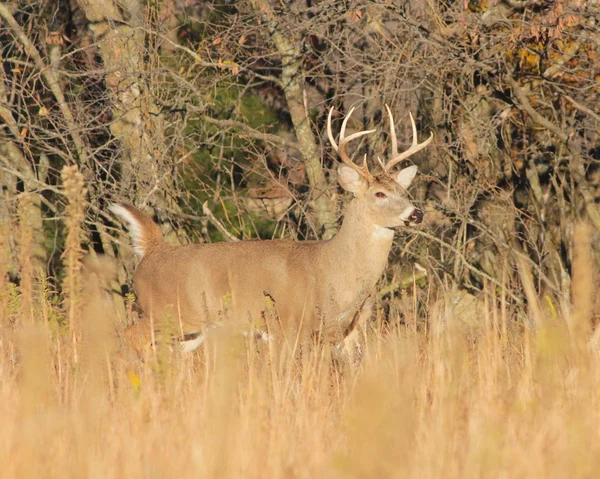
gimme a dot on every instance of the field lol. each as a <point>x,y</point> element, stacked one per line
<point>225,121</point>
<point>434,396</point>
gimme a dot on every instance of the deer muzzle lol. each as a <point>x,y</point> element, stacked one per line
<point>416,216</point>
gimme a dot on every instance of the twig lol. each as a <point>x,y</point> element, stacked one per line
<point>251,131</point>
<point>27,177</point>
<point>215,221</point>
<point>499,242</point>
<point>535,116</point>
<point>576,165</point>
<point>522,4</point>
<point>228,123</point>
<point>565,57</point>
<point>467,264</point>
<point>582,108</point>
<point>230,66</point>
<point>403,283</point>
<point>49,74</point>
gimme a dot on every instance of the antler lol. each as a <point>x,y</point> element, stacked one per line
<point>341,149</point>
<point>398,157</point>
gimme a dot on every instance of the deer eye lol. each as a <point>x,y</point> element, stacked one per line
<point>380,194</point>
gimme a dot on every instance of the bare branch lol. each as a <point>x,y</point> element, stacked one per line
<point>215,221</point>
<point>469,266</point>
<point>292,80</point>
<point>51,77</point>
<point>522,4</point>
<point>251,132</point>
<point>582,108</point>
<point>535,116</point>
<point>221,66</point>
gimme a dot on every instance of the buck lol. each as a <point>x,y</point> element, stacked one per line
<point>309,287</point>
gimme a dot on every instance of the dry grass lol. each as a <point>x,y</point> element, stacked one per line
<point>494,399</point>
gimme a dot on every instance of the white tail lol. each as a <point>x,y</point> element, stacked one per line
<point>310,287</point>
<point>145,233</point>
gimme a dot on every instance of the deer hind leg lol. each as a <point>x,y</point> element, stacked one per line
<point>146,333</point>
<point>189,342</point>
<point>139,335</point>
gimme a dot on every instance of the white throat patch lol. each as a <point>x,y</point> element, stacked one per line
<point>380,232</point>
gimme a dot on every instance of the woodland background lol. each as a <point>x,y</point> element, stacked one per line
<point>211,116</point>
<point>482,358</point>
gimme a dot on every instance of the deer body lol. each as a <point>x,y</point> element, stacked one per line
<point>307,287</point>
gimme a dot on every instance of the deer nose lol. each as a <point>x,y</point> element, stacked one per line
<point>416,216</point>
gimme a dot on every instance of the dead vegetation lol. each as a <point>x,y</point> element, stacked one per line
<point>482,356</point>
<point>436,395</point>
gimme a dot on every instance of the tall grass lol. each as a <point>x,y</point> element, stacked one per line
<point>505,396</point>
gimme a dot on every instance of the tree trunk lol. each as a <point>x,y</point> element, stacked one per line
<point>15,165</point>
<point>118,29</point>
<point>288,47</point>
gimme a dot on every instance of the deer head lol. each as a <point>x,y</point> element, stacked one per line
<point>382,197</point>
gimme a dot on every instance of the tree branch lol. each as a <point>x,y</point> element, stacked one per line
<point>576,165</point>
<point>222,66</point>
<point>469,266</point>
<point>535,116</point>
<point>49,74</point>
<point>292,79</point>
<point>522,4</point>
<point>251,132</point>
<point>215,221</point>
<point>582,108</point>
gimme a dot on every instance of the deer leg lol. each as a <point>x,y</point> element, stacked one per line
<point>351,344</point>
<point>138,336</point>
<point>192,341</point>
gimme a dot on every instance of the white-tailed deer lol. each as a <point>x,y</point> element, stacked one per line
<point>309,287</point>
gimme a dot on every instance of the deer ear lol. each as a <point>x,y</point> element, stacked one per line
<point>404,177</point>
<point>350,179</point>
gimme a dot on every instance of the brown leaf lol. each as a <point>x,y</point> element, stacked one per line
<point>354,15</point>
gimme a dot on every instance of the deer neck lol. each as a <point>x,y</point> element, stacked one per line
<point>361,248</point>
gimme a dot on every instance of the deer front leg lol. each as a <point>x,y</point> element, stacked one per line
<point>351,346</point>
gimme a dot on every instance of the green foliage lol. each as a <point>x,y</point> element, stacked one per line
<point>257,113</point>
<point>208,173</point>
<point>50,305</point>
<point>14,300</point>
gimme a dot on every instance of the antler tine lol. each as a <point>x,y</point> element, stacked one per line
<point>392,131</point>
<point>341,148</point>
<point>344,123</point>
<point>414,147</point>
<point>365,166</point>
<point>329,133</point>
